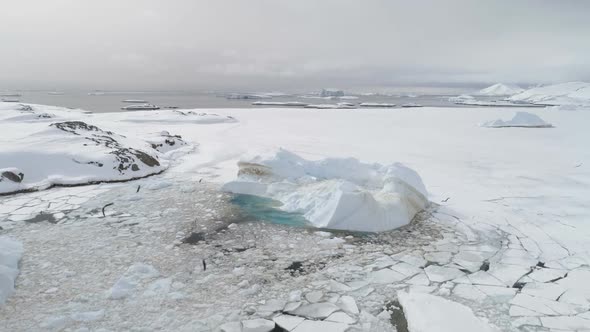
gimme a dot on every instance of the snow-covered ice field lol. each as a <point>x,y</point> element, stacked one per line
<point>504,244</point>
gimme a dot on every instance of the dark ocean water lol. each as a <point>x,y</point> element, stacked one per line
<point>113,101</point>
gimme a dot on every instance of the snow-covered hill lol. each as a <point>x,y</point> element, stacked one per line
<point>500,89</point>
<point>54,146</point>
<point>571,93</point>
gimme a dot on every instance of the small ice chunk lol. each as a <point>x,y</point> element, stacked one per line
<point>314,297</point>
<point>348,304</point>
<point>316,310</point>
<point>323,326</point>
<point>442,273</point>
<point>89,316</point>
<point>231,327</point>
<point>11,252</point>
<point>341,317</point>
<point>257,325</point>
<point>385,276</point>
<point>288,322</point>
<point>122,288</point>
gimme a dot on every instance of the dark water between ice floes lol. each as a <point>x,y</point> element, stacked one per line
<point>267,210</point>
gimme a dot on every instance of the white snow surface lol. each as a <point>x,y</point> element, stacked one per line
<point>64,147</point>
<point>500,89</point>
<point>571,93</point>
<point>335,193</point>
<point>520,119</point>
<point>429,313</point>
<point>11,252</point>
<point>514,199</point>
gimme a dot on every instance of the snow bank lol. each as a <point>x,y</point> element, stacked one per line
<point>409,105</point>
<point>427,313</point>
<point>572,93</point>
<point>335,193</point>
<point>331,106</point>
<point>172,116</point>
<point>500,89</point>
<point>520,119</point>
<point>11,252</point>
<point>378,105</point>
<point>74,152</point>
<point>278,103</point>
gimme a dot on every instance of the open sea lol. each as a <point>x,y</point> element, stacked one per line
<point>113,101</point>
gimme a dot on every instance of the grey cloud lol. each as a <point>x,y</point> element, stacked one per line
<point>248,44</point>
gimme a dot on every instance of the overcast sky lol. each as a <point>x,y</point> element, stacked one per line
<point>265,44</point>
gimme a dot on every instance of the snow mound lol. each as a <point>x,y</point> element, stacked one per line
<point>500,89</point>
<point>520,119</point>
<point>74,152</point>
<point>173,117</point>
<point>572,93</point>
<point>426,313</point>
<point>165,142</point>
<point>11,252</point>
<point>335,193</point>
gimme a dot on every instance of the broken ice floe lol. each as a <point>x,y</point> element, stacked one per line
<point>425,311</point>
<point>335,193</point>
<point>11,252</point>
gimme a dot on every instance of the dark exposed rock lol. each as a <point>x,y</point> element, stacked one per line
<point>12,176</point>
<point>26,108</point>
<point>540,264</point>
<point>75,126</point>
<point>126,157</point>
<point>168,142</point>
<point>95,163</point>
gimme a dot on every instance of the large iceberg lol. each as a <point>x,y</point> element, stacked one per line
<point>500,89</point>
<point>572,93</point>
<point>335,193</point>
